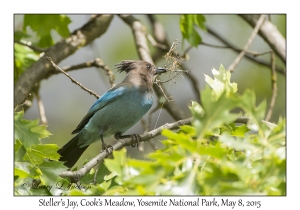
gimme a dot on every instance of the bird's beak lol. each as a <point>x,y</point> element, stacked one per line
<point>160,70</point>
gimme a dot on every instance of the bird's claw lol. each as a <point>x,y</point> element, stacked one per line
<point>134,137</point>
<point>107,148</point>
<point>137,140</point>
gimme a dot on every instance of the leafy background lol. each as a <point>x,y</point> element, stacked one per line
<point>241,160</point>
<point>75,102</point>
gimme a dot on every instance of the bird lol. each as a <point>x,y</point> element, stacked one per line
<point>115,111</point>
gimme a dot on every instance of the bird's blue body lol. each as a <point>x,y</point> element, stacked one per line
<point>115,111</point>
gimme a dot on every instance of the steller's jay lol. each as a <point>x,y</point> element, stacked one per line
<point>116,111</point>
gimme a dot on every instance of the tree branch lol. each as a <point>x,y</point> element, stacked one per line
<point>231,68</point>
<point>270,34</point>
<point>62,49</point>
<point>76,175</point>
<point>236,49</point>
<point>274,88</point>
<point>71,78</point>
<point>139,33</point>
<point>41,109</point>
<point>98,63</point>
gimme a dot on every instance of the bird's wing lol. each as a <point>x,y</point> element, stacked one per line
<point>105,99</point>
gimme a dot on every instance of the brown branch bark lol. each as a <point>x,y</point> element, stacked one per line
<point>62,49</point>
<point>270,34</point>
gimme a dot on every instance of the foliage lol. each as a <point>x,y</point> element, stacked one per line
<point>33,173</point>
<point>213,156</point>
<point>23,58</point>
<point>43,24</point>
<point>188,30</point>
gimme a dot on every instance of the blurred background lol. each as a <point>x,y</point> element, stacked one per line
<point>66,103</point>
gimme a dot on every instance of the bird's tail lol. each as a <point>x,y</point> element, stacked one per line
<point>71,152</point>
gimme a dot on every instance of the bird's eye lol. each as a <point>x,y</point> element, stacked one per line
<point>148,66</point>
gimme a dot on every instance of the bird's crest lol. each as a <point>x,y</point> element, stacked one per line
<point>126,65</point>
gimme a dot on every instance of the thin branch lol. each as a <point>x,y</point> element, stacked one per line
<point>156,44</point>
<point>255,54</point>
<point>40,104</point>
<point>139,34</point>
<point>152,145</point>
<point>172,78</point>
<point>41,69</point>
<point>195,85</point>
<point>146,128</point>
<point>76,175</point>
<point>162,90</point>
<point>96,172</point>
<point>274,87</point>
<point>236,49</point>
<point>73,80</point>
<point>231,68</point>
<point>159,105</point>
<point>98,63</point>
<point>270,34</point>
<point>186,51</point>
<point>29,44</point>
<point>41,109</point>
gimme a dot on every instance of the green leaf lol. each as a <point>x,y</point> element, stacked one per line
<point>18,35</point>
<point>28,131</point>
<point>20,151</point>
<point>217,112</point>
<point>183,140</point>
<point>37,153</point>
<point>24,169</point>
<point>236,143</point>
<point>24,57</point>
<point>32,157</point>
<point>102,173</point>
<point>236,130</point>
<point>46,151</point>
<point>43,24</point>
<point>196,109</point>
<point>188,31</point>
<point>49,176</point>
<point>116,165</point>
<point>217,151</point>
<point>199,21</point>
<point>221,82</point>
<point>189,130</point>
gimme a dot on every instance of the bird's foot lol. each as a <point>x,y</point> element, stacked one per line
<point>108,148</point>
<point>134,137</point>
